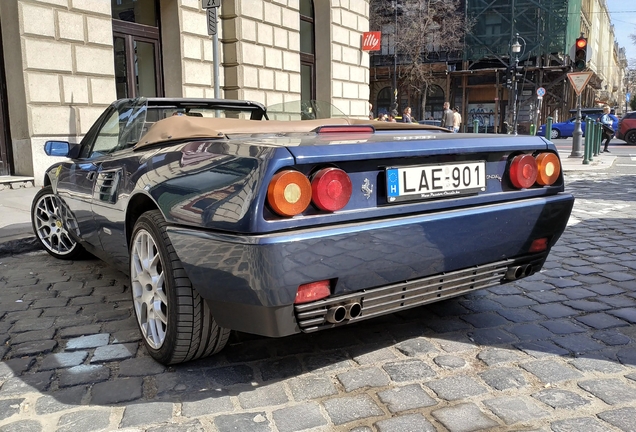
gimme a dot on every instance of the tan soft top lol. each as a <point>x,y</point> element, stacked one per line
<point>186,127</point>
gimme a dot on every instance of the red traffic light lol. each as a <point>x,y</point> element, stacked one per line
<point>581,42</point>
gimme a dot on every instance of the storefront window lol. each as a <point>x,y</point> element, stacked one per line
<point>137,48</point>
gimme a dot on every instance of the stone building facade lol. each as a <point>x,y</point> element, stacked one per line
<point>65,61</point>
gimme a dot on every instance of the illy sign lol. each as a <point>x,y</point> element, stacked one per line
<point>371,41</point>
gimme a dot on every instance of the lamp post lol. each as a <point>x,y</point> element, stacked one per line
<point>516,49</point>
<point>395,90</point>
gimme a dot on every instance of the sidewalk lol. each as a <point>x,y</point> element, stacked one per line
<point>16,234</point>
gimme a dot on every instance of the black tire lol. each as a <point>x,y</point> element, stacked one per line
<point>555,134</point>
<point>630,137</point>
<point>183,329</point>
<point>52,224</point>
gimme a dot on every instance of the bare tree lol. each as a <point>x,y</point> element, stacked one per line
<point>417,30</point>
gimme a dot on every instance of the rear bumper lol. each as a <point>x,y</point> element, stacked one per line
<point>250,282</point>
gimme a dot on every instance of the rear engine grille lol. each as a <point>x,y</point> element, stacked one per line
<point>393,298</point>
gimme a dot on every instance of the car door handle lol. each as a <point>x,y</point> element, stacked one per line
<point>91,175</point>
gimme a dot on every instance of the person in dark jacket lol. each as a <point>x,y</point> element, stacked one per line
<point>447,117</point>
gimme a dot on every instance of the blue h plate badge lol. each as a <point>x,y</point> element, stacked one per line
<point>435,181</point>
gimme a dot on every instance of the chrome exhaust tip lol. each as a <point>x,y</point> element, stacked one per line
<point>354,310</point>
<point>336,314</point>
<point>516,272</point>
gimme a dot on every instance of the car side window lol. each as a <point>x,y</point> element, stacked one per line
<point>108,136</point>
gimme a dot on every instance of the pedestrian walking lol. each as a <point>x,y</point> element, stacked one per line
<point>447,117</point>
<point>457,119</point>
<point>607,123</point>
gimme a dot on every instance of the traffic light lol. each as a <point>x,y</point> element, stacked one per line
<point>580,54</point>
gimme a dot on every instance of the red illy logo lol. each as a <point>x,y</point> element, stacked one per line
<point>371,41</point>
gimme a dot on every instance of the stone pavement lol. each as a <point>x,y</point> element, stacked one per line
<point>556,351</point>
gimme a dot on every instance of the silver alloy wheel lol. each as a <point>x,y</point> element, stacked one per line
<point>50,225</point>
<point>149,297</point>
<point>554,134</point>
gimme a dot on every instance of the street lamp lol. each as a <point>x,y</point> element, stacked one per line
<point>516,49</point>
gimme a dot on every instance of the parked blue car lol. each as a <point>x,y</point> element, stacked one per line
<point>566,129</point>
<point>227,220</point>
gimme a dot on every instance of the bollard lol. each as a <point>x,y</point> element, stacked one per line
<point>599,138</point>
<point>532,130</point>
<point>588,142</point>
<point>548,128</point>
<point>476,126</point>
<point>590,147</point>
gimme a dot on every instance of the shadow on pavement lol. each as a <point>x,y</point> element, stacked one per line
<point>68,332</point>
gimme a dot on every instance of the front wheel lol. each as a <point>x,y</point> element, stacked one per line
<point>52,224</point>
<point>630,137</point>
<point>175,321</point>
<point>555,134</point>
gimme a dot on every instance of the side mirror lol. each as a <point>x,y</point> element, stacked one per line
<point>57,148</point>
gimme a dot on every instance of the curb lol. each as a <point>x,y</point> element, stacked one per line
<point>19,246</point>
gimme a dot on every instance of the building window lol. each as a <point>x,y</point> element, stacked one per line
<point>384,101</point>
<point>137,46</point>
<point>307,51</point>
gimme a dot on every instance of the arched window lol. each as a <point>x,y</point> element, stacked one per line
<point>307,51</point>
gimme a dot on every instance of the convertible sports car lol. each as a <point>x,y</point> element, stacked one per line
<point>225,219</point>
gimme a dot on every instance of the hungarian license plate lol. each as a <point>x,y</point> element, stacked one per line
<point>435,181</point>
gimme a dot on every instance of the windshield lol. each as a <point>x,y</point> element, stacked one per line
<point>303,110</point>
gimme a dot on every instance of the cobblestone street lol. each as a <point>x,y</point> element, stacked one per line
<point>553,352</point>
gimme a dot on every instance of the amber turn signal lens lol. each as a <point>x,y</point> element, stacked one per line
<point>289,193</point>
<point>549,168</point>
<point>523,171</point>
<point>331,189</point>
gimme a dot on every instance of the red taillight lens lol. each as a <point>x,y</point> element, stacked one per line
<point>289,193</point>
<point>523,171</point>
<point>331,189</point>
<point>312,291</point>
<point>549,168</point>
<point>539,245</point>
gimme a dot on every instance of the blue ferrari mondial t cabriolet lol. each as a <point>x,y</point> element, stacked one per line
<point>226,219</point>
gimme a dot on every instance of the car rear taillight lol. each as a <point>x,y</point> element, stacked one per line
<point>312,291</point>
<point>289,193</point>
<point>526,170</point>
<point>523,171</point>
<point>539,245</point>
<point>548,168</point>
<point>331,189</point>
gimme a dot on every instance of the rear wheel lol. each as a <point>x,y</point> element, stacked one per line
<point>555,134</point>
<point>52,224</point>
<point>175,321</point>
<point>630,137</point>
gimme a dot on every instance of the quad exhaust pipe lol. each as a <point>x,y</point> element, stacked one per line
<point>518,272</point>
<point>339,313</point>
